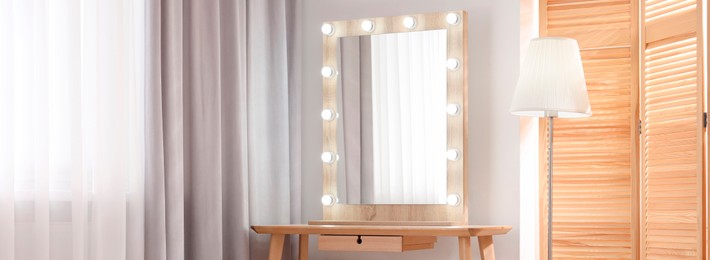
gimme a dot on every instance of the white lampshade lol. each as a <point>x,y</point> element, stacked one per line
<point>551,81</point>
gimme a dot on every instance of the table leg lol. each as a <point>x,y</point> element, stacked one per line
<point>485,245</point>
<point>303,247</point>
<point>276,247</point>
<point>465,248</point>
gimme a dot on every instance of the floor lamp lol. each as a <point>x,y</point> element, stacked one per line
<point>551,84</point>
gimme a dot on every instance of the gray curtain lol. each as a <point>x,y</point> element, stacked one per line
<point>222,118</point>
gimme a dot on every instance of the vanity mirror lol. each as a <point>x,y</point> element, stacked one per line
<point>391,98</point>
<point>394,119</point>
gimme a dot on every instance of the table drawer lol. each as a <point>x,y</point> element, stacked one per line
<point>374,243</point>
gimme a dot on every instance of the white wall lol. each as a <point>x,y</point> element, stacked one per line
<point>529,149</point>
<point>493,133</point>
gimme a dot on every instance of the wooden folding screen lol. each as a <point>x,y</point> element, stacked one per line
<point>672,220</point>
<point>595,201</point>
<point>618,196</point>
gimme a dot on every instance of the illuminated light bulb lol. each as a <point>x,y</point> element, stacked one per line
<point>327,29</point>
<point>453,18</point>
<point>453,155</point>
<point>328,114</point>
<point>328,200</point>
<point>452,64</point>
<point>453,200</point>
<point>453,109</point>
<point>328,157</point>
<point>327,72</point>
<point>367,26</point>
<point>409,22</point>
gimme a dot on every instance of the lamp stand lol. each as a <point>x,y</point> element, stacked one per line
<point>549,187</point>
<point>551,84</point>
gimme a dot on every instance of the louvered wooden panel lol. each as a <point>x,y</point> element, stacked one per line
<point>594,23</point>
<point>594,203</point>
<point>593,161</point>
<point>672,142</point>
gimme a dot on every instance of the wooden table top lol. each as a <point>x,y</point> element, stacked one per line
<point>457,231</point>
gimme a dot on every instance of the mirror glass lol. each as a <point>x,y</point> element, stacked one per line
<point>392,118</point>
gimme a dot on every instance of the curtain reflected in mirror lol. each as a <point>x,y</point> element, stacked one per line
<point>392,123</point>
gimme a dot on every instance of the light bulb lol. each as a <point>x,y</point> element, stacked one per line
<point>327,29</point>
<point>367,26</point>
<point>328,157</point>
<point>453,109</point>
<point>453,155</point>
<point>453,199</point>
<point>327,72</point>
<point>453,18</point>
<point>328,200</point>
<point>452,64</point>
<point>328,114</point>
<point>409,22</point>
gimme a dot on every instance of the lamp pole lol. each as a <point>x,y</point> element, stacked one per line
<point>549,187</point>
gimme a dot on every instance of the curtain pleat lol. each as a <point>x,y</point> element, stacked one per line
<point>164,186</point>
<point>203,130</point>
<point>267,116</point>
<point>234,121</point>
<point>292,20</point>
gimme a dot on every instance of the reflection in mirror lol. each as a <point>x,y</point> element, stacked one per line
<point>393,116</point>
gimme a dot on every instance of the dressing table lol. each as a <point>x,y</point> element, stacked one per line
<point>385,238</point>
<point>394,139</point>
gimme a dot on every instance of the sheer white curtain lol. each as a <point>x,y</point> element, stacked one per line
<point>71,129</point>
<point>409,117</point>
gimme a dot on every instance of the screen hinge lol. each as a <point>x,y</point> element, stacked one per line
<point>705,119</point>
<point>640,127</point>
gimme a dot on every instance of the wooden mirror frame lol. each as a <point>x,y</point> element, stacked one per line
<point>457,126</point>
